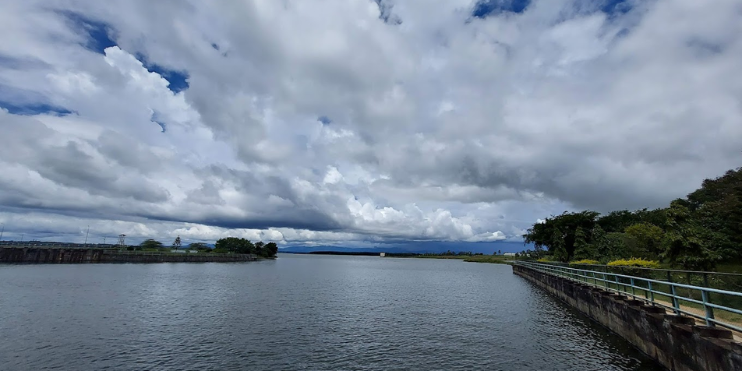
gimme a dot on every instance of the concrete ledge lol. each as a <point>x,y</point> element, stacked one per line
<point>712,332</point>
<point>681,320</point>
<point>653,309</point>
<point>675,342</point>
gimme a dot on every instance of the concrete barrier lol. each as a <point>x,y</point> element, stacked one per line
<point>42,255</point>
<point>675,342</point>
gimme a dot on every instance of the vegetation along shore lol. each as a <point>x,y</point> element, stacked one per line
<point>702,231</point>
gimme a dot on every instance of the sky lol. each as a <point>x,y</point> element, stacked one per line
<point>357,123</point>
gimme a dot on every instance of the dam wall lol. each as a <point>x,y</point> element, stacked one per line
<point>674,341</point>
<point>43,255</point>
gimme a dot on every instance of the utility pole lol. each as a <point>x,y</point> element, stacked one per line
<point>86,237</point>
<point>104,240</point>
<point>1,232</point>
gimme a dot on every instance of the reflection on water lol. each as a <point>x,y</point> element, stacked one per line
<point>296,313</point>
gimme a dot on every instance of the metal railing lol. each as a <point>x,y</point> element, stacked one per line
<point>718,280</point>
<point>653,291</point>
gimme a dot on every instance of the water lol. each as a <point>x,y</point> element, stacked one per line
<point>296,313</point>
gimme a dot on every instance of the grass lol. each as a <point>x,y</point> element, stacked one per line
<point>497,259</point>
<point>460,257</point>
<point>729,268</point>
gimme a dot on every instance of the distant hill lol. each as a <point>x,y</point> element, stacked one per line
<point>417,248</point>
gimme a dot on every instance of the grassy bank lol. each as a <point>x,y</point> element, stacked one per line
<point>497,259</point>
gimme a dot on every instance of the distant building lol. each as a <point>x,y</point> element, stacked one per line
<point>509,254</point>
<point>382,254</point>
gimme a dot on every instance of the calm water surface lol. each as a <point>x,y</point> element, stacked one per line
<point>296,313</point>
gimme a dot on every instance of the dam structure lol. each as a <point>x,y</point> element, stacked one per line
<point>677,325</point>
<point>70,255</point>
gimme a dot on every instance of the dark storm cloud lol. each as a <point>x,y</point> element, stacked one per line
<point>331,121</point>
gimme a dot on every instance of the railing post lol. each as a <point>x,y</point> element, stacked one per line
<point>633,293</point>
<point>709,310</point>
<point>675,303</point>
<point>707,299</point>
<point>651,292</point>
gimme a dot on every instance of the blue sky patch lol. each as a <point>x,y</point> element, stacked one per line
<point>177,80</point>
<point>485,8</point>
<point>615,7</point>
<point>26,102</point>
<point>31,109</point>
<point>99,34</point>
<point>324,120</point>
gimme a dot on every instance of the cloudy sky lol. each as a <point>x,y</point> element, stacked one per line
<point>357,122</point>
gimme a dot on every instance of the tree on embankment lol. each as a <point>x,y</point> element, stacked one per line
<point>692,233</point>
<point>199,246</point>
<point>244,246</point>
<point>150,244</point>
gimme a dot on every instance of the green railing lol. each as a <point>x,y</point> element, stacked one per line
<point>714,306</point>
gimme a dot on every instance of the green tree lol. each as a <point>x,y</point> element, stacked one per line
<point>717,208</point>
<point>583,249</point>
<point>617,221</point>
<point>645,240</point>
<point>259,248</point>
<point>559,249</point>
<point>543,234</point>
<point>685,242</point>
<point>604,246</point>
<point>150,244</point>
<point>613,246</point>
<point>198,246</point>
<point>234,245</point>
<point>270,249</point>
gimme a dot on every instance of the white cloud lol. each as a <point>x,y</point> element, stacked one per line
<point>443,127</point>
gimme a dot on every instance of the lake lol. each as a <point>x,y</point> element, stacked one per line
<point>299,312</point>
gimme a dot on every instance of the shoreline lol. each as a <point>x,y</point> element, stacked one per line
<point>42,255</point>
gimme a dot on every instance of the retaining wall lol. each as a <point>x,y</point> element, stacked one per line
<point>675,342</point>
<point>42,255</point>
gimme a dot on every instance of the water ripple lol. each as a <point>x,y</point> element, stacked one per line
<point>296,313</point>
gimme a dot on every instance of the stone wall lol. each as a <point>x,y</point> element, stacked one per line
<point>675,342</point>
<point>41,255</point>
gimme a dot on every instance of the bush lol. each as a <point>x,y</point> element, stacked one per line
<point>635,262</point>
<point>585,262</point>
<point>545,260</point>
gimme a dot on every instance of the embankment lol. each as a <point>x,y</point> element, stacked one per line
<point>675,342</point>
<point>33,255</point>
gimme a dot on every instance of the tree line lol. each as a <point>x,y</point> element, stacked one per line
<point>696,232</point>
<point>232,245</point>
<point>244,246</point>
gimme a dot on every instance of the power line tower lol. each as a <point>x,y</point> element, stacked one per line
<point>122,238</point>
<point>176,243</point>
